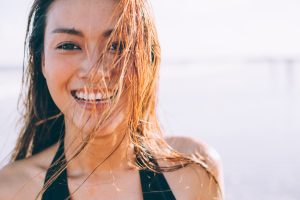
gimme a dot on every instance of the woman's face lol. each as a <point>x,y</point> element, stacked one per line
<point>76,33</point>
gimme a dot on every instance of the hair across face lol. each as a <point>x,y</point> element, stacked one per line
<point>79,62</point>
<point>86,49</point>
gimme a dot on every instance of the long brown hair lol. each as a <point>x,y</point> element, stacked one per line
<point>43,122</point>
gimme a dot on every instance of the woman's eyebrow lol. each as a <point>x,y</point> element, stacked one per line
<point>108,32</point>
<point>73,31</point>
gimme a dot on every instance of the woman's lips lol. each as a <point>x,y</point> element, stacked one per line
<point>93,105</point>
<point>96,104</point>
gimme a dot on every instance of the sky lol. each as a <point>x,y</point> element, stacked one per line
<point>191,29</point>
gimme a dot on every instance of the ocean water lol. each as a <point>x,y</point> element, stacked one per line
<point>249,111</point>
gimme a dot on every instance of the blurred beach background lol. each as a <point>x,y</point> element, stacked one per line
<point>230,76</point>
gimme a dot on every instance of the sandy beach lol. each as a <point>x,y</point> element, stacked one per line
<point>248,111</point>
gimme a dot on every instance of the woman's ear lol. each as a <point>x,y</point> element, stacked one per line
<point>43,64</point>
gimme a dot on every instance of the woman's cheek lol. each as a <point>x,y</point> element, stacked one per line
<point>60,68</point>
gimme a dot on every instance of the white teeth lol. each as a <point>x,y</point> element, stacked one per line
<point>98,96</point>
<point>86,96</point>
<point>81,95</point>
<point>93,96</point>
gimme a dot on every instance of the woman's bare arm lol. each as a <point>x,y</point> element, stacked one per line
<point>204,152</point>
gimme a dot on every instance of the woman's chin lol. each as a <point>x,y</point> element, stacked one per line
<point>97,124</point>
<point>87,126</point>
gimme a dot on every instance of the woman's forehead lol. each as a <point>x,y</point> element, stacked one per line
<point>89,16</point>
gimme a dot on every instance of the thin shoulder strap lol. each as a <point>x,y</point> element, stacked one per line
<point>58,190</point>
<point>154,185</point>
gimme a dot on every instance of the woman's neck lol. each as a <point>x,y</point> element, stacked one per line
<point>102,154</point>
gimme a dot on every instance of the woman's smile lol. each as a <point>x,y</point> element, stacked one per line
<point>93,99</point>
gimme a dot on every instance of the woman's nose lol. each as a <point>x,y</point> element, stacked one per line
<point>93,68</point>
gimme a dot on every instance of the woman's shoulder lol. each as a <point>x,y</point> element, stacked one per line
<point>24,178</point>
<point>197,148</point>
<point>206,181</point>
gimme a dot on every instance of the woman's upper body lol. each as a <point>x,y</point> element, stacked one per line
<point>24,179</point>
<point>92,80</point>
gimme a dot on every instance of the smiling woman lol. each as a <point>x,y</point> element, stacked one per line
<point>90,125</point>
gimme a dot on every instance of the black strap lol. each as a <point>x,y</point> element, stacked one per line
<point>58,190</point>
<point>154,185</point>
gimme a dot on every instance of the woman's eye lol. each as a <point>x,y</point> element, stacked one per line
<point>116,47</point>
<point>68,47</point>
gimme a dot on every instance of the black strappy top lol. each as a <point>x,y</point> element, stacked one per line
<point>154,185</point>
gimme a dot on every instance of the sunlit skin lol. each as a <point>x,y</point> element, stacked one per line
<point>67,60</point>
<point>75,36</point>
